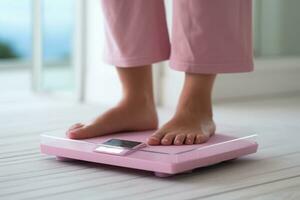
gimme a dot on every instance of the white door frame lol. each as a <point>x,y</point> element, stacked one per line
<point>37,46</point>
<point>79,51</point>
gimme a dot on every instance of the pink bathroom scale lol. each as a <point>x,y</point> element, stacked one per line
<point>162,160</point>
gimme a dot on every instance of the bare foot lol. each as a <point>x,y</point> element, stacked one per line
<point>184,129</point>
<point>193,121</point>
<point>135,112</point>
<point>126,116</point>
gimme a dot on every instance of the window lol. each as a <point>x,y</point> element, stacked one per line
<point>58,21</point>
<point>38,36</point>
<point>15,31</point>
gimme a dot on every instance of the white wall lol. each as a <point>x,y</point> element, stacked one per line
<point>278,27</point>
<point>272,77</point>
<point>102,85</point>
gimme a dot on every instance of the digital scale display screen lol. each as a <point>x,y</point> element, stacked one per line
<point>122,143</point>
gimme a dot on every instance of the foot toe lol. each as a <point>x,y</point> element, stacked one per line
<point>73,133</point>
<point>75,126</point>
<point>200,138</point>
<point>179,139</point>
<point>155,138</point>
<point>168,139</point>
<point>84,132</point>
<point>190,137</point>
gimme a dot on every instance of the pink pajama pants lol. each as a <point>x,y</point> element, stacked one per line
<point>208,36</point>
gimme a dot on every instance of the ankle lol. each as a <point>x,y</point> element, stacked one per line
<point>139,101</point>
<point>192,113</point>
<point>195,99</point>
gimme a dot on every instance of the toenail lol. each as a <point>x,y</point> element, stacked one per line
<point>73,131</point>
<point>154,138</point>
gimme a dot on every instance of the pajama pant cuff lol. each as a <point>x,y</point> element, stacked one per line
<point>136,62</point>
<point>212,68</point>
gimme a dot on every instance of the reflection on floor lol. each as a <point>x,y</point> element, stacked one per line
<point>272,173</point>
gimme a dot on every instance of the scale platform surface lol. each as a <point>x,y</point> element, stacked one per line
<point>162,160</point>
